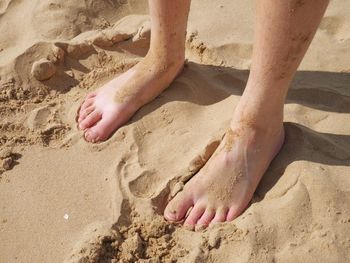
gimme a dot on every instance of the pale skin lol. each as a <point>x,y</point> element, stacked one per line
<point>222,189</point>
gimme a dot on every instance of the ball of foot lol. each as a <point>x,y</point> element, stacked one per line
<point>43,69</point>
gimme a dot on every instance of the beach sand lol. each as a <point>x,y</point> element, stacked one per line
<point>65,200</point>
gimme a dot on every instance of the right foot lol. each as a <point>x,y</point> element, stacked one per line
<point>105,110</point>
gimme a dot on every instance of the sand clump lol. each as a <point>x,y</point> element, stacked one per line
<point>143,240</point>
<point>43,69</point>
<point>136,238</point>
<point>7,159</point>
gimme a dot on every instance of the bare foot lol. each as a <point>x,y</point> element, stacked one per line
<point>105,110</point>
<point>223,188</point>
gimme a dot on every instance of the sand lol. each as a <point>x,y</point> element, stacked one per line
<point>64,200</point>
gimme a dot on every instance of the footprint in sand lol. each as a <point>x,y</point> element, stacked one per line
<point>38,118</point>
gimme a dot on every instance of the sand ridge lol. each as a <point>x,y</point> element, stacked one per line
<point>76,202</point>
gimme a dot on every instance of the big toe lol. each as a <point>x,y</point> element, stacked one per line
<point>103,129</point>
<point>178,206</point>
<point>96,134</point>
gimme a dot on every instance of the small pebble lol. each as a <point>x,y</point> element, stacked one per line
<point>70,73</point>
<point>58,53</point>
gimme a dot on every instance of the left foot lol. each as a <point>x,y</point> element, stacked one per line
<point>112,105</point>
<point>223,188</point>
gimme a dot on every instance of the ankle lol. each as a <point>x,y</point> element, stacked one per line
<point>267,121</point>
<point>165,70</point>
<point>156,74</point>
<point>166,59</point>
<point>257,133</point>
<point>261,110</point>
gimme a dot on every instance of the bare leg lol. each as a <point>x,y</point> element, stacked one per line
<point>223,188</point>
<point>108,108</point>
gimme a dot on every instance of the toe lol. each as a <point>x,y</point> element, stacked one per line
<point>90,120</point>
<point>104,128</point>
<point>207,217</point>
<point>84,113</point>
<point>91,136</point>
<point>91,95</point>
<point>87,103</point>
<point>196,213</point>
<point>220,215</point>
<point>178,206</point>
<point>232,214</point>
